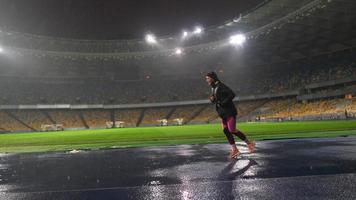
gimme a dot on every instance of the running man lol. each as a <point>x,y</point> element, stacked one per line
<point>222,97</point>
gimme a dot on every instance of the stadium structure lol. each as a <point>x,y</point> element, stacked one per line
<point>298,63</point>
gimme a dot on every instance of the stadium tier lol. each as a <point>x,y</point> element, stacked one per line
<point>47,90</point>
<point>266,110</point>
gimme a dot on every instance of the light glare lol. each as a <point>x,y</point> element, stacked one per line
<point>198,30</point>
<point>238,39</point>
<point>151,39</point>
<point>178,51</point>
<point>185,34</point>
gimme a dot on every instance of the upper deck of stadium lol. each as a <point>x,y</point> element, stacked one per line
<point>287,29</point>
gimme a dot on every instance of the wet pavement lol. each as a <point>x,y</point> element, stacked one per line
<point>285,169</point>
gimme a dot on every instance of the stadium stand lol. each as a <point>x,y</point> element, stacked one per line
<point>15,91</point>
<point>69,118</point>
<point>185,112</point>
<point>316,109</point>
<point>9,123</point>
<point>96,118</point>
<point>205,114</point>
<point>32,118</point>
<point>130,117</point>
<point>152,115</point>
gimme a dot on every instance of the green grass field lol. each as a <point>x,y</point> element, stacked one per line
<point>171,135</point>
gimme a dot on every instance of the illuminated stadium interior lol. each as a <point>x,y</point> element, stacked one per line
<point>284,59</point>
<point>177,99</point>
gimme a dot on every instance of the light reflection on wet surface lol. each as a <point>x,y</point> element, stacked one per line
<point>178,172</point>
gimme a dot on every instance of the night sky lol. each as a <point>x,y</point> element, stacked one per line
<point>115,19</point>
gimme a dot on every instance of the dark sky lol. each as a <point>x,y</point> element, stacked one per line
<point>115,19</point>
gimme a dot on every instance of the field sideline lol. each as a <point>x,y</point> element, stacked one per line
<point>171,135</point>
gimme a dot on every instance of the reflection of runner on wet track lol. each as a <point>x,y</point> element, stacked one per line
<point>222,97</point>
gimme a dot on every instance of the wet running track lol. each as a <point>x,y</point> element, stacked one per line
<point>285,169</point>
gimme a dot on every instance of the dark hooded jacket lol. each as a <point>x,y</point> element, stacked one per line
<point>223,100</point>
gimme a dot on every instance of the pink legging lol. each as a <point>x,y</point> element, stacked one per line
<point>229,127</point>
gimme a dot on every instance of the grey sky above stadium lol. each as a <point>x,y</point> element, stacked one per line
<point>115,19</point>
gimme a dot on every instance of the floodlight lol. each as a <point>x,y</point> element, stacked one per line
<point>198,30</point>
<point>178,51</point>
<point>238,39</point>
<point>185,34</point>
<point>151,39</point>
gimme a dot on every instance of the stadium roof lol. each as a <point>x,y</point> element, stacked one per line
<point>327,27</point>
<point>277,31</point>
<point>115,19</point>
